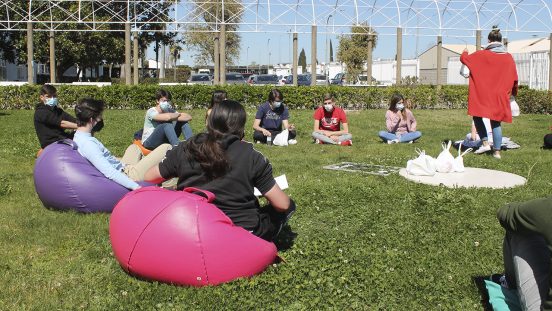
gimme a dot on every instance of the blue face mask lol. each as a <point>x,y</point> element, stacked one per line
<point>51,102</point>
<point>165,106</point>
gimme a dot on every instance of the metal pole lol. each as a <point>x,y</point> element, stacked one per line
<point>478,39</point>
<point>550,65</point>
<point>52,57</point>
<point>295,57</point>
<point>399,56</point>
<point>30,71</point>
<point>128,78</point>
<point>135,56</point>
<point>439,59</point>
<point>313,55</point>
<point>268,49</point>
<point>247,60</point>
<point>223,53</point>
<point>369,58</point>
<point>217,59</point>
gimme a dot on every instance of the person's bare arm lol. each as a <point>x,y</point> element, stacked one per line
<point>184,117</point>
<point>166,116</point>
<point>317,127</point>
<point>68,125</point>
<point>153,175</point>
<point>345,130</point>
<point>257,127</point>
<point>278,199</point>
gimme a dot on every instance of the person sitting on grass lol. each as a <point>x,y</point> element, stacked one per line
<point>548,140</point>
<point>328,120</point>
<point>163,124</point>
<point>89,119</point>
<point>270,117</point>
<point>526,249</point>
<point>217,98</point>
<point>219,161</point>
<point>400,122</point>
<point>50,121</point>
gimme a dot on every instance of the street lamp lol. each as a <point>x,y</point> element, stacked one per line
<point>247,60</point>
<point>268,48</point>
<point>327,71</point>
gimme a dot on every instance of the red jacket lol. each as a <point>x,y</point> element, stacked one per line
<point>493,78</point>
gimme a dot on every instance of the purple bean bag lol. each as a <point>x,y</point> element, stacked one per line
<point>65,180</point>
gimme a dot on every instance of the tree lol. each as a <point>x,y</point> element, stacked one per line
<point>331,51</point>
<point>302,60</point>
<point>84,49</point>
<point>200,38</point>
<point>353,50</point>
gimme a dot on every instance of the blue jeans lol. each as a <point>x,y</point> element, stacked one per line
<point>168,133</point>
<point>482,131</point>
<point>403,138</point>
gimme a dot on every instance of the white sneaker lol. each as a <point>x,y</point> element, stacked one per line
<point>393,141</point>
<point>483,149</point>
<point>497,156</point>
<point>292,142</point>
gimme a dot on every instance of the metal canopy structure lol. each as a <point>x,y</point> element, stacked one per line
<point>457,18</point>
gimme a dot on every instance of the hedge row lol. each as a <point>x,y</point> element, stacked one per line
<point>198,96</point>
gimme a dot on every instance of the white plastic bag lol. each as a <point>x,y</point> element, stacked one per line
<point>423,165</point>
<point>445,160</point>
<point>464,71</point>
<point>281,139</point>
<point>458,164</point>
<point>515,107</point>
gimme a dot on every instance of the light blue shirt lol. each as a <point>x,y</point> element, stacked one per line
<point>95,152</point>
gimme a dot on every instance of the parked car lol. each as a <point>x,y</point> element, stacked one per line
<point>246,75</point>
<point>321,80</point>
<point>303,79</point>
<point>200,79</point>
<point>264,79</point>
<point>282,79</point>
<point>250,79</point>
<point>234,78</point>
<point>338,79</point>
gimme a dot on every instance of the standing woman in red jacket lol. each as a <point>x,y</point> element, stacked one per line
<point>493,79</point>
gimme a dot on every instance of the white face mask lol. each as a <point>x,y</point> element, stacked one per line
<point>276,104</point>
<point>328,107</point>
<point>165,106</point>
<point>400,106</point>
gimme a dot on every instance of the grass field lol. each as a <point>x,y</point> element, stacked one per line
<point>362,242</point>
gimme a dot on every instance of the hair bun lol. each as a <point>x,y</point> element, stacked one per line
<point>495,28</point>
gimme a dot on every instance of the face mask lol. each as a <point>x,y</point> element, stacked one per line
<point>165,106</point>
<point>276,104</point>
<point>51,102</point>
<point>99,126</point>
<point>400,106</point>
<point>328,107</point>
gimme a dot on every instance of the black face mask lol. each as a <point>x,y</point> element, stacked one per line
<point>98,127</point>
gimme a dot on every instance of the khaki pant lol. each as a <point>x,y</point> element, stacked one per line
<point>137,165</point>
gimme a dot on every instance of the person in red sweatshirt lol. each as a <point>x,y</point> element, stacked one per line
<point>493,79</point>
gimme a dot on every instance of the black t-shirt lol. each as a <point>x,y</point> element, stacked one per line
<point>47,120</point>
<point>233,191</point>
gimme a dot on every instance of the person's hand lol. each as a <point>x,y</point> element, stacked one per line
<point>334,138</point>
<point>327,133</point>
<point>267,133</point>
<point>175,115</point>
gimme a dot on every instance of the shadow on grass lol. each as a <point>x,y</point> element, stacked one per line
<point>479,282</point>
<point>285,239</point>
<point>2,114</point>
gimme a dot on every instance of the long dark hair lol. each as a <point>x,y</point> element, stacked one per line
<point>395,99</point>
<point>208,149</point>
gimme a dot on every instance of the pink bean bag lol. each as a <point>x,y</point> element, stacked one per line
<point>181,238</point>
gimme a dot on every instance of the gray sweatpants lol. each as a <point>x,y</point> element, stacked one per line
<point>527,267</point>
<point>327,140</point>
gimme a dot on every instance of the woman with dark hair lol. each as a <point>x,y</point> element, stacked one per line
<point>124,172</point>
<point>218,97</point>
<point>493,79</point>
<point>220,162</point>
<point>270,118</point>
<point>400,122</point>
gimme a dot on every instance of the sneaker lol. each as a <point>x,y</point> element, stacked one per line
<point>497,156</point>
<point>292,142</point>
<point>411,142</point>
<point>318,141</point>
<point>500,279</point>
<point>393,141</point>
<point>483,149</point>
<point>346,143</point>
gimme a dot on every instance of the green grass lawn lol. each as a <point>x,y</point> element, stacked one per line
<point>363,242</point>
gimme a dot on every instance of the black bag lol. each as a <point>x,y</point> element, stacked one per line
<point>547,141</point>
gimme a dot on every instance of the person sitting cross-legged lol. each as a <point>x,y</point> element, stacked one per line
<point>400,123</point>
<point>163,124</point>
<point>270,118</point>
<point>328,120</point>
